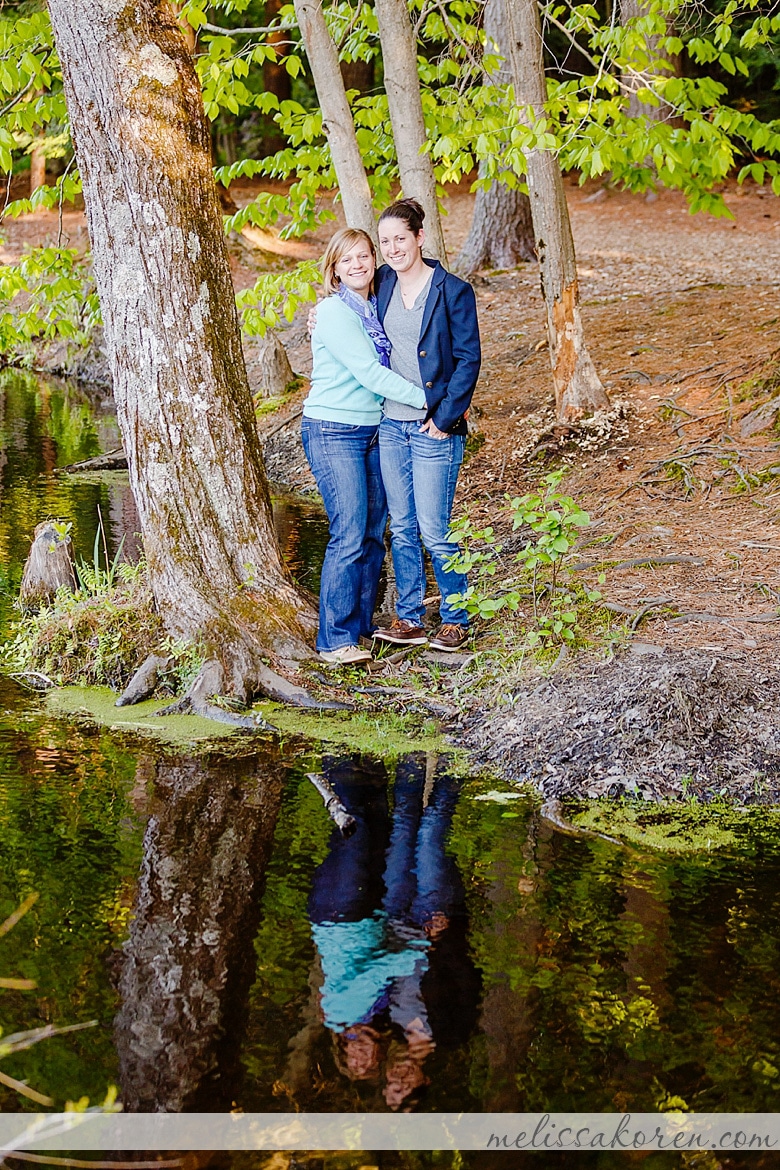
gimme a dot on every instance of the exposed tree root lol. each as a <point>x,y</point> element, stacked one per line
<point>552,811</point>
<point>198,701</point>
<point>144,681</point>
<point>211,683</point>
<point>275,686</point>
<point>401,694</point>
<point>35,680</point>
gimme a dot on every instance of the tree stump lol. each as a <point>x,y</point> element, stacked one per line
<point>49,565</point>
<point>267,365</point>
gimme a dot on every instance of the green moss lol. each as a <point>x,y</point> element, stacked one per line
<point>96,705</point>
<point>683,828</point>
<point>388,736</point>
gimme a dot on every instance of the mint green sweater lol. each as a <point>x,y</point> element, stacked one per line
<point>348,382</point>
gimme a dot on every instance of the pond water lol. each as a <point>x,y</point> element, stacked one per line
<point>455,953</point>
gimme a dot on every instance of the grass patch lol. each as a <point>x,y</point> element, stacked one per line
<point>682,828</point>
<point>271,405</point>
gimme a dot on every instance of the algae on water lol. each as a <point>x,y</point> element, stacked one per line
<point>388,736</point>
<point>677,827</point>
<point>97,704</point>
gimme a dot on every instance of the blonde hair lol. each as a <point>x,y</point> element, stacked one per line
<point>338,247</point>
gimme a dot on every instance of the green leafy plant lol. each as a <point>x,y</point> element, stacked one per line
<point>553,521</point>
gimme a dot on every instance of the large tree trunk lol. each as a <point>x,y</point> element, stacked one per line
<point>502,230</point>
<point>402,84</point>
<point>501,233</point>
<point>578,389</point>
<point>172,336</point>
<point>336,116</point>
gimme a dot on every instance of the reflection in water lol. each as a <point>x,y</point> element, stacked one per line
<point>188,962</point>
<point>380,906</point>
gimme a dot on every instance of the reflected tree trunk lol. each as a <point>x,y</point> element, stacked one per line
<point>189,962</point>
<point>647,961</point>
<point>507,1015</point>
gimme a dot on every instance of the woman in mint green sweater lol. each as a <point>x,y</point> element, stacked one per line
<point>341,415</point>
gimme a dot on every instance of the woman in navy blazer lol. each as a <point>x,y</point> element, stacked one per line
<point>430,317</point>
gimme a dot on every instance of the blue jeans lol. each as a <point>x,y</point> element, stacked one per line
<point>345,462</point>
<point>420,475</point>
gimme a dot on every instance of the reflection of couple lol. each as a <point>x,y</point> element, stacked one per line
<point>381,904</point>
<point>384,427</point>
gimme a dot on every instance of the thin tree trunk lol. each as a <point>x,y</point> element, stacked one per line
<point>187,31</point>
<point>172,336</point>
<point>402,84</point>
<point>276,79</point>
<point>37,168</point>
<point>578,389</point>
<point>631,10</point>
<point>336,116</point>
<point>502,230</point>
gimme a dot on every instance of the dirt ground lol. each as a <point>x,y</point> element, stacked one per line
<point>682,319</point>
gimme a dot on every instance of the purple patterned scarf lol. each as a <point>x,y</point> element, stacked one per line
<point>366,311</point>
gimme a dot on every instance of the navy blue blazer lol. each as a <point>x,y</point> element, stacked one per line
<point>449,352</point>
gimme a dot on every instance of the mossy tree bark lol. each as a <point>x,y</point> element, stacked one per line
<point>402,85</point>
<point>578,388</point>
<point>172,336</point>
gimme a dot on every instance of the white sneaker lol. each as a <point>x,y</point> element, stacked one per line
<point>345,656</point>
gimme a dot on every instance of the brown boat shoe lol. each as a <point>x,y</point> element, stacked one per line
<point>402,633</point>
<point>449,638</point>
